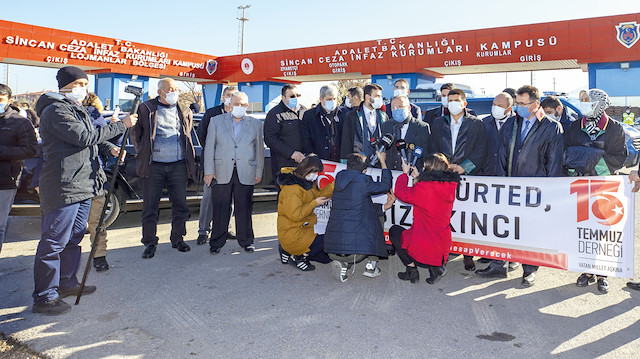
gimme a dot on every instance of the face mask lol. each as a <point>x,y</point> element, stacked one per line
<point>445,101</point>
<point>498,112</point>
<point>523,111</point>
<point>238,111</point>
<point>227,101</point>
<point>77,94</point>
<point>329,105</point>
<point>552,116</point>
<point>3,107</point>
<point>293,103</point>
<point>311,177</point>
<point>455,107</point>
<point>377,103</point>
<point>171,97</point>
<point>399,114</point>
<point>399,92</point>
<point>586,108</point>
<point>347,102</point>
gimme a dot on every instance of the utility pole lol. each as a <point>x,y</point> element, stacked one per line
<point>242,21</point>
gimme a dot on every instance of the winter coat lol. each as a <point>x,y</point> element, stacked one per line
<point>296,217</point>
<point>431,114</point>
<point>610,139</point>
<point>354,226</point>
<point>429,238</point>
<point>282,134</point>
<point>471,146</point>
<point>144,133</point>
<point>356,136</point>
<point>17,143</point>
<point>541,153</point>
<point>494,141</point>
<point>416,112</point>
<point>71,172</point>
<point>418,133</point>
<point>203,126</point>
<point>319,136</point>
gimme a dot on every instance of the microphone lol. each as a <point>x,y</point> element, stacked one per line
<point>411,148</point>
<point>401,145</point>
<point>385,143</point>
<point>417,153</point>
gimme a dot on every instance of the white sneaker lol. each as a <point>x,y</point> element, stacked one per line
<point>371,271</point>
<point>339,271</point>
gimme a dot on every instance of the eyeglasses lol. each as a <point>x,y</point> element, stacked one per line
<point>523,104</point>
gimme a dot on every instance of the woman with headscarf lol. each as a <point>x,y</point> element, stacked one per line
<point>594,146</point>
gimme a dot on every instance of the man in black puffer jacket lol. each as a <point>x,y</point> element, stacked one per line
<point>17,142</point>
<point>354,231</point>
<point>70,177</point>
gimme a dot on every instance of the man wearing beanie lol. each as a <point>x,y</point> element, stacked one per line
<point>70,177</point>
<point>165,158</point>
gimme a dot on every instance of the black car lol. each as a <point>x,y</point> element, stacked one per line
<point>128,192</point>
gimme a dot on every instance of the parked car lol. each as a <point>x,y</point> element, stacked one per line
<point>128,191</point>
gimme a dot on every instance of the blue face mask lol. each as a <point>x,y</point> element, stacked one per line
<point>293,103</point>
<point>399,114</point>
<point>523,111</point>
<point>3,107</point>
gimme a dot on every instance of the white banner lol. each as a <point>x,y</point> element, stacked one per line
<point>582,224</point>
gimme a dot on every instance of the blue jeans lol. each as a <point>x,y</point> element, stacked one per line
<point>58,254</point>
<point>6,200</point>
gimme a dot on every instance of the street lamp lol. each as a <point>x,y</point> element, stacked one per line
<point>242,19</point>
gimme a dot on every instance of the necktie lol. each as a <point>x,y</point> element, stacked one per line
<point>525,129</point>
<point>500,123</point>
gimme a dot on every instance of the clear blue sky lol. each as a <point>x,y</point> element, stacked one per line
<point>211,26</point>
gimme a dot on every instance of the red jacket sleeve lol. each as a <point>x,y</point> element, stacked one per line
<point>403,192</point>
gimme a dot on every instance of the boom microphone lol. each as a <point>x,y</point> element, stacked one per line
<point>401,146</point>
<point>385,143</point>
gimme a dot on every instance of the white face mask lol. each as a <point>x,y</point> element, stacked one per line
<point>329,105</point>
<point>311,177</point>
<point>498,112</point>
<point>171,97</point>
<point>77,94</point>
<point>455,107</point>
<point>377,103</point>
<point>445,101</point>
<point>586,108</point>
<point>399,92</point>
<point>227,101</point>
<point>238,111</point>
<point>347,102</point>
<point>552,116</point>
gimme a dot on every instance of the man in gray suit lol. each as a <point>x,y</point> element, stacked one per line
<point>233,164</point>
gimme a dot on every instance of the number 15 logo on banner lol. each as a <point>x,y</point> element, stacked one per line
<point>606,206</point>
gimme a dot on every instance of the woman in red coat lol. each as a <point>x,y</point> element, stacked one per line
<point>426,244</point>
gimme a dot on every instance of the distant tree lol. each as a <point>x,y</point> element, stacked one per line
<point>193,93</point>
<point>344,85</point>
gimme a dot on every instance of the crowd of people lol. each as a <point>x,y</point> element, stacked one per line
<point>524,136</point>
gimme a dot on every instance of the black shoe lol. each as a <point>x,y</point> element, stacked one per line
<point>528,280</point>
<point>469,264</point>
<point>634,285</point>
<point>231,235</point>
<point>585,279</point>
<point>249,248</point>
<point>484,260</point>
<point>436,273</point>
<point>202,239</point>
<point>181,246</point>
<point>284,256</point>
<point>214,250</point>
<point>149,251</point>
<point>73,291</point>
<point>410,274</point>
<point>491,273</point>
<point>52,307</point>
<point>100,264</point>
<point>302,263</point>
<point>603,285</point>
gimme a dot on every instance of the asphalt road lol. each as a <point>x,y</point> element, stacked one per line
<point>240,305</point>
